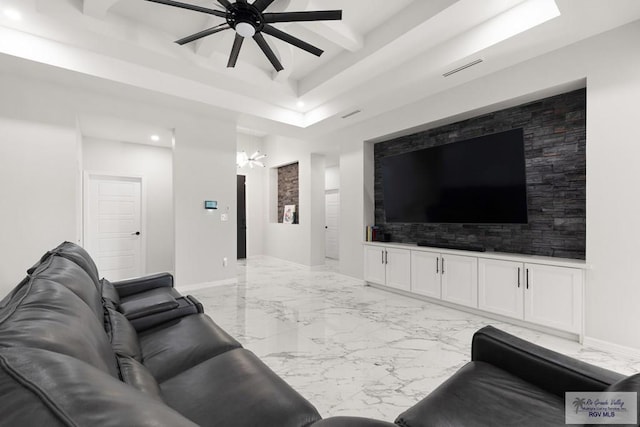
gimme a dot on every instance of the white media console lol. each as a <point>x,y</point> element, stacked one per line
<point>542,291</point>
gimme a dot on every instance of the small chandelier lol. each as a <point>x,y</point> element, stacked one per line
<point>242,159</point>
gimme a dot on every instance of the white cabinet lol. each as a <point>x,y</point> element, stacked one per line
<point>398,263</point>
<point>553,296</point>
<point>425,274</point>
<point>543,294</point>
<point>501,287</point>
<point>459,279</point>
<point>374,267</point>
<point>388,266</point>
<point>449,277</point>
<point>547,291</point>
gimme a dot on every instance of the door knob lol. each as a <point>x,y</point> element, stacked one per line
<point>137,233</point>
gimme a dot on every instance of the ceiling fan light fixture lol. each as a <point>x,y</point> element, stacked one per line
<point>245,29</point>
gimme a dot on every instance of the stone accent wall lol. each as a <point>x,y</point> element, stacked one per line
<point>288,189</point>
<point>555,144</point>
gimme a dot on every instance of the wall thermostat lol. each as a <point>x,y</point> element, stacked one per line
<point>210,204</point>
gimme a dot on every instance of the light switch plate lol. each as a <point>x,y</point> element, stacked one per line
<point>224,217</point>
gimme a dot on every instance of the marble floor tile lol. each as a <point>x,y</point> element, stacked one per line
<point>352,349</point>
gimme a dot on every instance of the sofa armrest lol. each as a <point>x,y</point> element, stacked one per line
<point>551,371</point>
<point>142,284</point>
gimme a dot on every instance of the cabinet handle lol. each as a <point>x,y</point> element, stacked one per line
<point>382,255</point>
<point>442,265</point>
<point>518,276</point>
<point>527,278</point>
<point>386,257</point>
<point>437,265</point>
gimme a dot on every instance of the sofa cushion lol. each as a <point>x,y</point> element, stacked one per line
<point>136,375</point>
<point>237,389</point>
<point>109,292</point>
<point>176,346</point>
<point>148,303</point>
<point>124,339</point>
<point>81,258</point>
<point>41,388</point>
<point>44,314</point>
<point>67,273</point>
<point>480,395</point>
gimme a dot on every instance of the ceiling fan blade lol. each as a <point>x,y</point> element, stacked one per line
<point>225,3</point>
<point>219,13</point>
<point>235,51</point>
<point>203,33</point>
<point>320,15</point>
<point>273,31</point>
<point>262,4</point>
<point>268,52</point>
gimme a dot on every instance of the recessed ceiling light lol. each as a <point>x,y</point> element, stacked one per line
<point>300,104</point>
<point>155,138</point>
<point>13,14</point>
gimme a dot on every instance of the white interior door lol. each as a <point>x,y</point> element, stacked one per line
<point>332,225</point>
<point>112,233</point>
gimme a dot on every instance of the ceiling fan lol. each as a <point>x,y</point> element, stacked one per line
<point>250,20</point>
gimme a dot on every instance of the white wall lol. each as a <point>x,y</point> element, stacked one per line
<point>256,194</point>
<point>38,171</point>
<point>332,178</point>
<point>301,243</point>
<point>154,164</point>
<point>204,165</point>
<point>610,63</point>
<point>45,134</point>
<point>613,182</point>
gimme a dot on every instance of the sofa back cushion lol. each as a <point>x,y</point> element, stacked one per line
<point>123,337</point>
<point>68,274</point>
<point>41,388</point>
<point>81,257</point>
<point>109,293</point>
<point>45,314</point>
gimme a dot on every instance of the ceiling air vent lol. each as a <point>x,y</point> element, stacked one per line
<point>353,113</point>
<point>463,67</point>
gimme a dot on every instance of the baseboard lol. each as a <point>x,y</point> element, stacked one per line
<point>555,332</point>
<point>611,347</point>
<point>198,286</point>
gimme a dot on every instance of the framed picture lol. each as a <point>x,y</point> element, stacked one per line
<point>289,214</point>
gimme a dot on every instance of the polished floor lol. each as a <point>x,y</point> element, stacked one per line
<point>352,349</point>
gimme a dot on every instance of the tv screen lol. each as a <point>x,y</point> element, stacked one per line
<point>476,181</point>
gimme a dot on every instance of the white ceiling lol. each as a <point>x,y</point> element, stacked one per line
<point>383,55</point>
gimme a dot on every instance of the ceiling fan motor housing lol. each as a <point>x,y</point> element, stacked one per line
<point>240,12</point>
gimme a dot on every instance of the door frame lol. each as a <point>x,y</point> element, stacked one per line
<point>92,174</point>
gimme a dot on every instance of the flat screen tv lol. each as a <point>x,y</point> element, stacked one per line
<point>476,181</point>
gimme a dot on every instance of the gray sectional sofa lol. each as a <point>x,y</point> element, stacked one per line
<point>69,356</point>
<point>77,350</point>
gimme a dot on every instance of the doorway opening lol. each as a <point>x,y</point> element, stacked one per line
<point>242,216</point>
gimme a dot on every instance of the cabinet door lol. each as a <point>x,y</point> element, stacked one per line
<point>553,297</point>
<point>460,279</point>
<point>425,273</point>
<point>374,268</point>
<point>501,287</point>
<point>398,262</point>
